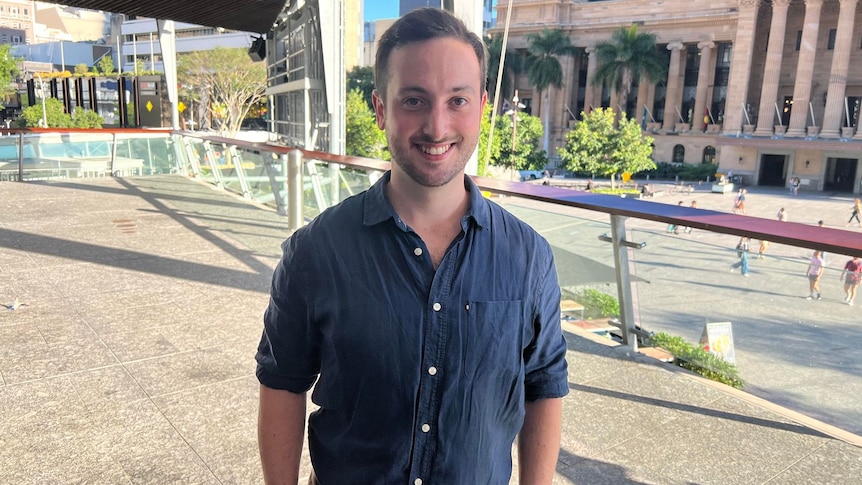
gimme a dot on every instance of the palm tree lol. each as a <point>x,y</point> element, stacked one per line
<point>512,66</point>
<point>543,67</point>
<point>628,57</point>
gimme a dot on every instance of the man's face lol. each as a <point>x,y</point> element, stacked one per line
<point>433,109</point>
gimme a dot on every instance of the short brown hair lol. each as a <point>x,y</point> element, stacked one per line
<point>418,26</point>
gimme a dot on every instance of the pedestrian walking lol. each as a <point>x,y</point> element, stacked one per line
<point>687,229</point>
<point>857,209</point>
<point>739,202</point>
<point>782,215</point>
<point>814,272</point>
<point>673,228</point>
<point>794,186</point>
<point>742,248</point>
<point>850,275</point>
<point>764,245</point>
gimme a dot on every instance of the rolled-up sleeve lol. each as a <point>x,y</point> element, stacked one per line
<point>546,374</point>
<point>288,356</point>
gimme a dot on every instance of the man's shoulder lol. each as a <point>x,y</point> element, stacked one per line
<point>509,225</point>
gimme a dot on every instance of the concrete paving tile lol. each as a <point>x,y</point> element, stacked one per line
<point>104,387</point>
<point>707,456</point>
<point>588,471</point>
<point>831,463</point>
<point>139,344</point>
<point>37,401</point>
<point>35,359</point>
<point>228,442</point>
<point>173,373</point>
<point>138,318</point>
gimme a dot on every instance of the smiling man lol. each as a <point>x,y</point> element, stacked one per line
<point>427,315</point>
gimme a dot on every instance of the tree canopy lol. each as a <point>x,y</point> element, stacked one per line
<point>231,80</point>
<point>543,66</point>
<point>8,70</point>
<point>513,64</point>
<point>526,153</point>
<point>596,146</point>
<point>362,78</point>
<point>628,57</point>
<point>363,138</point>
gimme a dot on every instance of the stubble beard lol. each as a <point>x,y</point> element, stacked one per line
<point>437,177</point>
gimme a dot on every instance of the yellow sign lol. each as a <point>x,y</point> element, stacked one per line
<point>149,105</point>
<point>181,107</point>
<point>626,177</point>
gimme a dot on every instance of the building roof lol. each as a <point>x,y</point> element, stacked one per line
<point>249,16</point>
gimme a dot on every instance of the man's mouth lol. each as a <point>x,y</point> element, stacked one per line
<point>435,150</point>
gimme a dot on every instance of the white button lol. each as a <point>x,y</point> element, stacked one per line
<point>418,481</point>
<point>417,251</point>
<point>467,307</point>
<point>426,428</point>
<point>432,370</point>
<point>437,307</point>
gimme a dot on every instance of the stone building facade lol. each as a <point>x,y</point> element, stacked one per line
<point>770,90</point>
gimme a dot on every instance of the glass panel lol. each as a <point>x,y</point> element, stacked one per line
<point>227,168</point>
<point>254,168</point>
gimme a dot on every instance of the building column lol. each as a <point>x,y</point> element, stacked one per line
<point>589,90</point>
<point>772,72</point>
<point>838,76</point>
<point>697,123</point>
<point>805,68</point>
<point>569,77</point>
<point>672,93</point>
<point>643,94</point>
<point>740,67</point>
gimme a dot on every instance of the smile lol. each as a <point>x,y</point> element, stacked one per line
<point>435,150</point>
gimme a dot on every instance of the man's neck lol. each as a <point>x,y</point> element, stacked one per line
<point>421,206</point>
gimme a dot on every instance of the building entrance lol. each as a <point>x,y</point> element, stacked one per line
<point>840,174</point>
<point>772,170</point>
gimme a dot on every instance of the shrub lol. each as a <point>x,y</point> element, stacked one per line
<point>697,360</point>
<point>84,118</point>
<point>57,117</point>
<point>597,304</point>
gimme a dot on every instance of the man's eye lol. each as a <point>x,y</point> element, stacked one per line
<point>459,101</point>
<point>412,102</point>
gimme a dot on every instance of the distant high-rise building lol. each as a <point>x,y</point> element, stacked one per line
<point>17,22</point>
<point>487,9</point>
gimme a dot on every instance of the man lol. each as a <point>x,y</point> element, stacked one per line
<point>428,315</point>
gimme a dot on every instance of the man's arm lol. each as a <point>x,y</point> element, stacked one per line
<point>280,434</point>
<point>539,441</point>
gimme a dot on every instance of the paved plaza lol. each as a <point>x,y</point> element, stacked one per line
<point>130,359</point>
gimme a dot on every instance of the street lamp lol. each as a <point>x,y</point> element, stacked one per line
<point>514,112</point>
<point>44,123</point>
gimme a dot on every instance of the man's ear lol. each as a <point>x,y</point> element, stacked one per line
<point>379,110</point>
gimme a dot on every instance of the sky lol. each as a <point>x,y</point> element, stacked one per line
<point>380,9</point>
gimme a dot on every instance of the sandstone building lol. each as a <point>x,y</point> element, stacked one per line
<point>769,89</point>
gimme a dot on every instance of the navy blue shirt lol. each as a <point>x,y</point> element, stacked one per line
<point>421,374</point>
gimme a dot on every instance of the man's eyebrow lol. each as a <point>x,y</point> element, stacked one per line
<point>421,90</point>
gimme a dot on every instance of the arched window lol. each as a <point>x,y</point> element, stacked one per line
<point>709,154</point>
<point>678,154</point>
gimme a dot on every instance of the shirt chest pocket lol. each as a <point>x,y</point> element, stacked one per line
<point>492,338</point>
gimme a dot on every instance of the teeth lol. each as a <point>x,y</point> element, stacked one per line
<point>434,150</point>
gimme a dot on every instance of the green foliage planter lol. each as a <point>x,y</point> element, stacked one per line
<point>597,304</point>
<point>697,360</point>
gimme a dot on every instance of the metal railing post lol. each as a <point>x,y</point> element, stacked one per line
<point>20,157</point>
<point>294,190</point>
<point>113,152</point>
<point>624,284</point>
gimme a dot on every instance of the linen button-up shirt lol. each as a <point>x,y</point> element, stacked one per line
<point>421,374</point>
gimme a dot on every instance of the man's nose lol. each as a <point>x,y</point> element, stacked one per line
<point>437,123</point>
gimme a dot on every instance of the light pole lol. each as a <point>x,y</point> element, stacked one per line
<point>44,123</point>
<point>516,103</point>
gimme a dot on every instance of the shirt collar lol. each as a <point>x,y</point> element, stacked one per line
<point>378,209</point>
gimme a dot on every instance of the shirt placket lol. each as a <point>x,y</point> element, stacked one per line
<point>438,317</point>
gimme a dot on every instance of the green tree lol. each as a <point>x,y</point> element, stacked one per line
<point>628,57</point>
<point>362,78</point>
<point>595,146</point>
<point>524,155</point>
<point>57,116</point>
<point>8,70</point>
<point>106,65</point>
<point>543,66</point>
<point>81,69</point>
<point>363,138</point>
<point>232,80</point>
